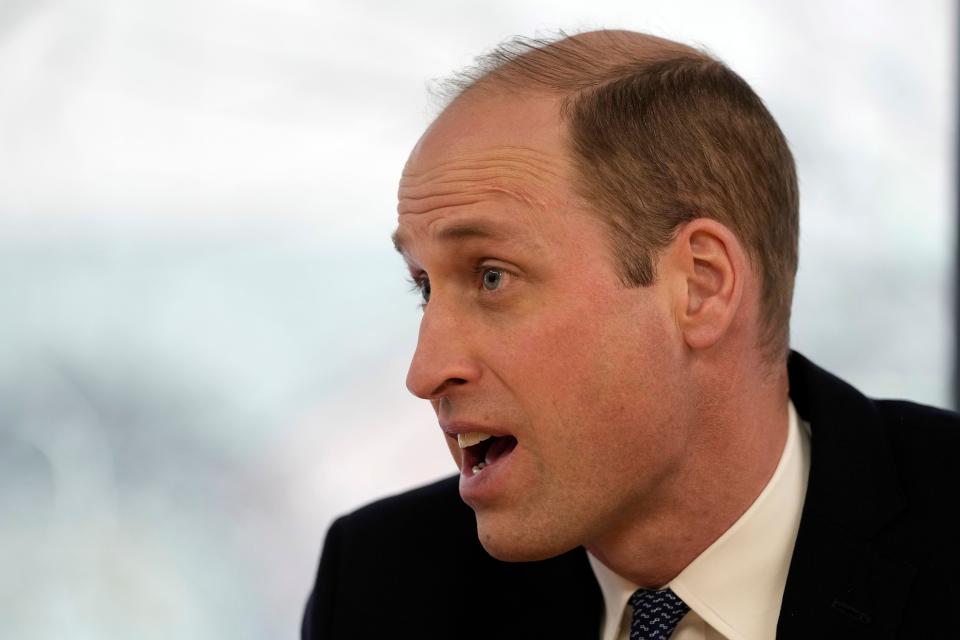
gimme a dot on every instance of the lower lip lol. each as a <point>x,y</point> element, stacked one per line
<point>476,488</point>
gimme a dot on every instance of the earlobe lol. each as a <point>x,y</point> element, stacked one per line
<point>712,264</point>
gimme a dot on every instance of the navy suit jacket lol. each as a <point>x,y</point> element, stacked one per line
<point>876,553</point>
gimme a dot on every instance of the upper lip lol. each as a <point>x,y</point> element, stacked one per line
<point>457,427</point>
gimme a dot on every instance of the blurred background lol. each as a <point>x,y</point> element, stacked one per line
<point>204,329</point>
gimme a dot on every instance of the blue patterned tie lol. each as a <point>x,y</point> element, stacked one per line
<point>655,614</point>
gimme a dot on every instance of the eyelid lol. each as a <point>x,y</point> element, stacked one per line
<point>493,263</point>
<point>486,266</point>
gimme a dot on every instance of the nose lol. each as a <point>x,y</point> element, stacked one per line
<point>442,360</point>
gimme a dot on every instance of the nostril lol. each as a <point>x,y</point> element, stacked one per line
<point>445,386</point>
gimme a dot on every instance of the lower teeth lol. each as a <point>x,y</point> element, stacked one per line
<point>477,468</point>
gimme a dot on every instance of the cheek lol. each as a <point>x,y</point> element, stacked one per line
<point>592,373</point>
<point>605,349</point>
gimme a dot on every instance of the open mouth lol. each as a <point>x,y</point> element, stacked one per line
<point>482,450</point>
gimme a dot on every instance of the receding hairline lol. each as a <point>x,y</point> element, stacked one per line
<point>563,64</point>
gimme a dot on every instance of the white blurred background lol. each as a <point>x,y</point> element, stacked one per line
<point>204,329</point>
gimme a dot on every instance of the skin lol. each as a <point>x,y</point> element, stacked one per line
<point>646,419</point>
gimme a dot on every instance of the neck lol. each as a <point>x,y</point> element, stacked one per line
<point>741,429</point>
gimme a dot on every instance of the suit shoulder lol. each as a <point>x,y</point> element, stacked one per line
<point>923,441</point>
<point>909,425</point>
<point>438,498</point>
<point>433,508</point>
<point>913,412</point>
<point>425,522</point>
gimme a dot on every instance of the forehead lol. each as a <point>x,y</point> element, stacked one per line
<point>485,121</point>
<point>483,161</point>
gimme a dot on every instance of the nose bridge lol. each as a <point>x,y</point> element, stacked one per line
<point>441,357</point>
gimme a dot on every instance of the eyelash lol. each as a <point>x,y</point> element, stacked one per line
<point>417,283</point>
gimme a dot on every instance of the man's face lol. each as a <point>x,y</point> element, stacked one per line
<point>529,335</point>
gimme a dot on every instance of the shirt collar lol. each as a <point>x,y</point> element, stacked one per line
<point>736,584</point>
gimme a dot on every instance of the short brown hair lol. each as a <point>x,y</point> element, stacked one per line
<point>662,133</point>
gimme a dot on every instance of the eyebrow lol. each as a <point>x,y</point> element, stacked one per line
<point>456,231</point>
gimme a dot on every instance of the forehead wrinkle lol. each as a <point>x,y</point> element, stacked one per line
<point>512,171</point>
<point>464,179</point>
<point>444,179</point>
<point>492,158</point>
<point>465,196</point>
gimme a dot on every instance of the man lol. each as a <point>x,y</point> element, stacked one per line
<point>604,233</point>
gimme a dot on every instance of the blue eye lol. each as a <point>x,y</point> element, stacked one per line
<point>492,279</point>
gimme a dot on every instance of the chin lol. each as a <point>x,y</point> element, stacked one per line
<point>510,542</point>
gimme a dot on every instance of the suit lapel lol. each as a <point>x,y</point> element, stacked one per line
<point>838,584</point>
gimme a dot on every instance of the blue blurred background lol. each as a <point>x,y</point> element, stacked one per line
<point>204,329</point>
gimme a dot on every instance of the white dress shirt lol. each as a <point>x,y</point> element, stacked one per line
<point>735,587</point>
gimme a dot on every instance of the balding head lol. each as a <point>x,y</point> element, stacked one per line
<point>565,66</point>
<point>661,134</point>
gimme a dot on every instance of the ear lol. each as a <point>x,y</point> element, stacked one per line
<point>710,268</point>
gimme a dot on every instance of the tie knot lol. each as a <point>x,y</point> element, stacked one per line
<point>655,614</point>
